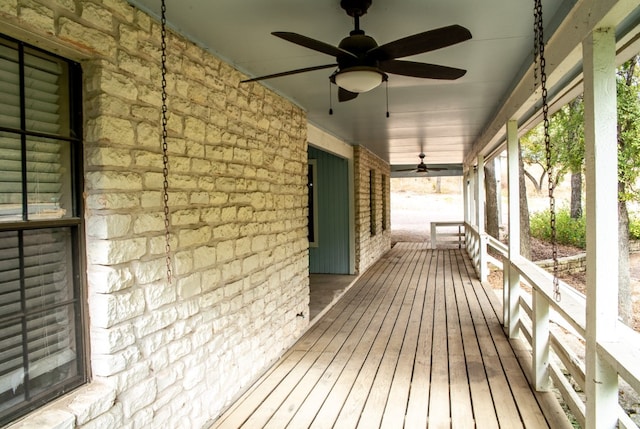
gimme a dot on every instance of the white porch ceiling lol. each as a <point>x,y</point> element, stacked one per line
<point>443,119</point>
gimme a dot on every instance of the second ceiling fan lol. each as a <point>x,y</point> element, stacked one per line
<point>422,167</point>
<point>362,64</point>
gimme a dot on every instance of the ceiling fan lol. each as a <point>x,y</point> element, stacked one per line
<point>362,64</point>
<point>422,167</point>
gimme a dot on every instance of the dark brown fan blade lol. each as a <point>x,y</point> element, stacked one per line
<point>310,43</point>
<point>421,42</point>
<point>290,72</point>
<point>422,170</point>
<point>344,95</point>
<point>423,70</point>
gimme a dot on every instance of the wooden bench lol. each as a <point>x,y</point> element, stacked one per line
<point>445,237</point>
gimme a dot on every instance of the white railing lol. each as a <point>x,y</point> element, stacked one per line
<point>547,326</point>
<point>447,232</point>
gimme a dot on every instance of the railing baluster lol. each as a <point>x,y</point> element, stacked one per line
<point>540,356</point>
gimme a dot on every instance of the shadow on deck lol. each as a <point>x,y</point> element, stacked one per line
<point>415,342</point>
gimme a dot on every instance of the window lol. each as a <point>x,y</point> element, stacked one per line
<point>383,182</point>
<point>41,335</point>
<point>372,201</point>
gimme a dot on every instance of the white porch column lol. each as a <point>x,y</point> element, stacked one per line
<point>465,193</point>
<point>498,166</point>
<point>480,214</point>
<point>472,197</point>
<point>602,223</point>
<point>513,290</point>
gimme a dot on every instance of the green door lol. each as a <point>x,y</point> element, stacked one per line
<point>328,213</point>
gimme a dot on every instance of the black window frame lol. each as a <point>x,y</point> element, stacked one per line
<point>385,190</point>
<point>73,225</point>
<point>373,221</point>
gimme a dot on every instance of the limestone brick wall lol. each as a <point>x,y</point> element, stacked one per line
<point>567,265</point>
<point>174,355</point>
<point>371,243</point>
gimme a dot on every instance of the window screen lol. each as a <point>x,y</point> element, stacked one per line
<point>41,344</point>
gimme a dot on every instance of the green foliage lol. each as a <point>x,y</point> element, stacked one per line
<point>628,91</point>
<point>566,137</point>
<point>634,228</point>
<point>571,232</point>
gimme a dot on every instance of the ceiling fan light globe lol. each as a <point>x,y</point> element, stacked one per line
<point>360,80</point>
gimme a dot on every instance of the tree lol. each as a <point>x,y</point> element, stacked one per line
<point>492,226</point>
<point>532,152</point>
<point>567,136</point>
<point>525,228</point>
<point>567,133</point>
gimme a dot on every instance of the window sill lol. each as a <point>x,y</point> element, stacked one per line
<point>74,409</point>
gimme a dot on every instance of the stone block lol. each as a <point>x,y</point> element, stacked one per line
<point>143,418</point>
<point>103,279</point>
<point>250,264</point>
<point>109,157</point>
<point>190,286</point>
<point>92,401</point>
<point>109,310</point>
<point>210,215</point>
<point>187,309</point>
<point>10,7</point>
<point>97,16</point>
<point>114,180</point>
<point>113,252</point>
<point>39,16</point>
<point>153,346</point>
<point>139,396</point>
<point>153,322</point>
<point>111,419</point>
<point>204,256</point>
<point>179,349</point>
<point>183,262</point>
<point>134,65</point>
<point>185,217</point>
<point>145,158</point>
<point>111,226</point>
<point>226,232</point>
<point>199,198</point>
<point>111,340</point>
<point>231,270</point>
<point>110,364</point>
<point>112,201</point>
<point>194,237</point>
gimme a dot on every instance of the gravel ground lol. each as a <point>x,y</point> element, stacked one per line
<point>412,214</point>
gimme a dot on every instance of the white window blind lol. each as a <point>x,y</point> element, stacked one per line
<point>47,187</point>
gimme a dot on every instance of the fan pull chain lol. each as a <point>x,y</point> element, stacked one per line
<point>330,100</point>
<point>165,157</point>
<point>539,44</point>
<point>387,89</point>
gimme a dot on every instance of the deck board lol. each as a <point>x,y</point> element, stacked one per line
<point>416,342</point>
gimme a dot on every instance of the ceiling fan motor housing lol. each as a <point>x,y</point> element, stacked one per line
<point>358,44</point>
<point>355,7</point>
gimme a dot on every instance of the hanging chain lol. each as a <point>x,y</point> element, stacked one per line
<point>165,157</point>
<point>536,20</point>
<point>539,51</point>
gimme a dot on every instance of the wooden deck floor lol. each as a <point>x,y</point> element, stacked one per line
<point>415,343</point>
